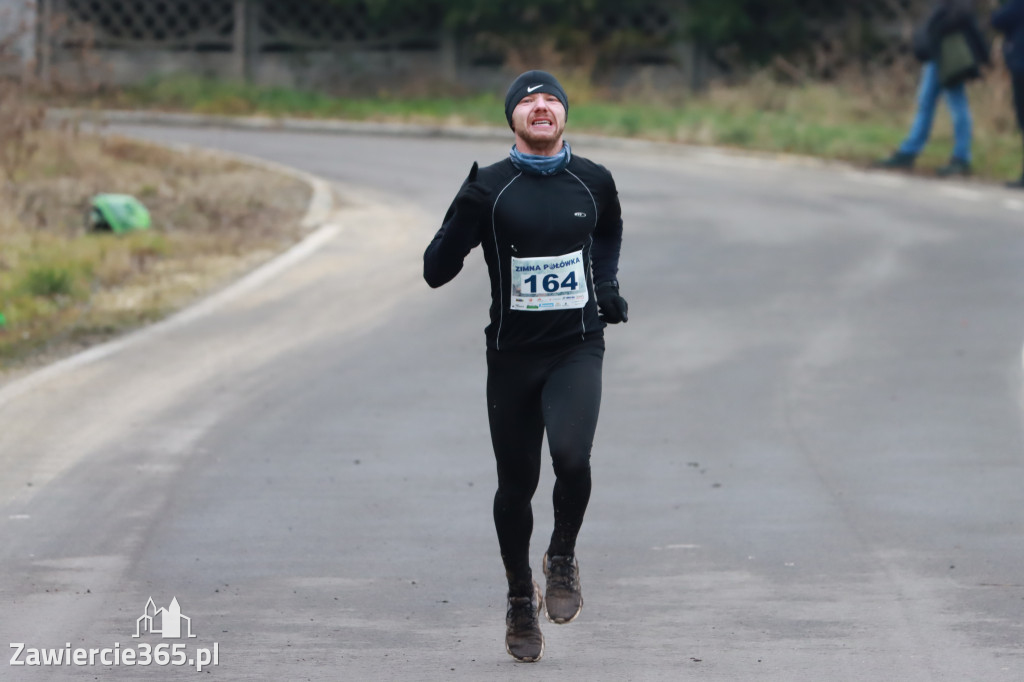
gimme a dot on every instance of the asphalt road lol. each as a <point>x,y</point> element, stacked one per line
<point>809,464</point>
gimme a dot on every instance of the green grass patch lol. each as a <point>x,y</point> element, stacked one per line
<point>204,96</point>
<point>49,281</point>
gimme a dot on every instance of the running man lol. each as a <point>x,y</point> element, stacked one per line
<point>550,227</point>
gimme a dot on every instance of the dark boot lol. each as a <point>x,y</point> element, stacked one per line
<point>1016,184</point>
<point>954,167</point>
<point>898,161</point>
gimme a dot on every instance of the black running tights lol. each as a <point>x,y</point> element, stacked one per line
<point>529,392</point>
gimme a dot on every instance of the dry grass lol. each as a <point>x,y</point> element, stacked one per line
<point>857,118</point>
<point>63,286</point>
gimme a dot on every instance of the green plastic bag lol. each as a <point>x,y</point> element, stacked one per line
<point>956,60</point>
<point>118,213</point>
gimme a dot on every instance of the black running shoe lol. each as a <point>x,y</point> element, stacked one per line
<point>523,639</point>
<point>898,161</point>
<point>562,598</point>
<point>954,167</point>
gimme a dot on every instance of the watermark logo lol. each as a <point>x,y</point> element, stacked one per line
<point>169,623</point>
<point>164,622</point>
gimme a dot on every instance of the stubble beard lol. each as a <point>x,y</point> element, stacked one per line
<point>542,145</point>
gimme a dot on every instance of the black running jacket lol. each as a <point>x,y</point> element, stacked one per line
<point>546,240</point>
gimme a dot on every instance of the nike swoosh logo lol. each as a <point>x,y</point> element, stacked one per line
<point>529,89</point>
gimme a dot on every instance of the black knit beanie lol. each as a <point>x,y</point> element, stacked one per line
<point>529,83</point>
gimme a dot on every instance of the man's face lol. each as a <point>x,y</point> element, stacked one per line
<point>539,121</point>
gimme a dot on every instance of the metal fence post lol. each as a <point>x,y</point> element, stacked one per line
<point>242,40</point>
<point>449,56</point>
<point>44,46</point>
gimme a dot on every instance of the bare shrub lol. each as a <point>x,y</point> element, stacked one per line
<point>20,120</point>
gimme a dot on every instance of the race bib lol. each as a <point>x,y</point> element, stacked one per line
<point>549,283</point>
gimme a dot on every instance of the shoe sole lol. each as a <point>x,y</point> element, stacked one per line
<point>563,621</point>
<point>527,659</point>
<point>540,605</point>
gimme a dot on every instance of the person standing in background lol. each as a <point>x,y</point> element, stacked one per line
<point>946,18</point>
<point>1009,20</point>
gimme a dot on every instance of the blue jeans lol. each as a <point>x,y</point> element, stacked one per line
<point>927,100</point>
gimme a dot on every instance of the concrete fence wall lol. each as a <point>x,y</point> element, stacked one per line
<point>316,44</point>
<point>306,43</point>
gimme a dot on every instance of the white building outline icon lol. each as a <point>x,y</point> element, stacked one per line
<point>164,622</point>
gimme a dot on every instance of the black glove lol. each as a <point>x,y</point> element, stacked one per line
<point>611,307</point>
<point>473,200</point>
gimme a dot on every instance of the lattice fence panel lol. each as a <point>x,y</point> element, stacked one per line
<point>280,25</point>
<point>863,31</point>
<point>654,21</point>
<point>149,23</point>
<point>305,25</point>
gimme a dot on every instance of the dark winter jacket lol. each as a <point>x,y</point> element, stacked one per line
<point>948,17</point>
<point>1009,20</point>
<point>542,237</point>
